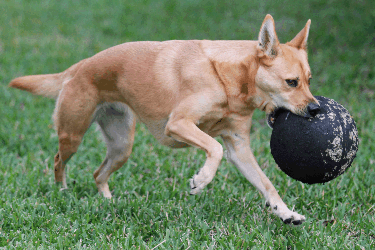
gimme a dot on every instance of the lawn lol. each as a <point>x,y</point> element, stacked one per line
<point>151,208</point>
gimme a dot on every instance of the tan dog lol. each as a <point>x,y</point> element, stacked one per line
<point>186,92</point>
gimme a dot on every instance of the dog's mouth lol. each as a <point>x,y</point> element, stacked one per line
<point>272,116</point>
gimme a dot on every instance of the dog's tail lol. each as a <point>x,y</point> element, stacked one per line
<point>48,85</point>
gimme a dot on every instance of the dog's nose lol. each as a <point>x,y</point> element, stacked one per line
<point>313,109</point>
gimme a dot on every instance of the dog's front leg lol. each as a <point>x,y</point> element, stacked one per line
<point>240,154</point>
<point>186,131</point>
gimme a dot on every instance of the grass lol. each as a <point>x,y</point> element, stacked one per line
<point>152,208</point>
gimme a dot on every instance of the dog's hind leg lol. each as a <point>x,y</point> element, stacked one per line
<point>73,114</point>
<point>117,123</point>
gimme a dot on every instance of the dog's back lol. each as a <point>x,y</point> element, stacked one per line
<point>136,73</point>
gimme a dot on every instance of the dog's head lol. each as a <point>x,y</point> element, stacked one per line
<point>283,77</point>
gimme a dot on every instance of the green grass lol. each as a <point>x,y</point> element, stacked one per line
<point>151,205</point>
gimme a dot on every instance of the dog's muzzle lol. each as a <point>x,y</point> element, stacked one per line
<point>312,110</point>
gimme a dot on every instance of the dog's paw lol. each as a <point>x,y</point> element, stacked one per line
<point>199,182</point>
<point>293,217</point>
<point>287,216</point>
<point>196,186</point>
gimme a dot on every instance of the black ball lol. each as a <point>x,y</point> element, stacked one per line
<point>318,149</point>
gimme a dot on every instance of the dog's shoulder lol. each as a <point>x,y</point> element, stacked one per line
<point>230,51</point>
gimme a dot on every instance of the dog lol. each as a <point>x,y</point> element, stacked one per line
<point>186,93</point>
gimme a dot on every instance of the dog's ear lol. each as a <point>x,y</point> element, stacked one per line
<point>300,41</point>
<point>268,41</point>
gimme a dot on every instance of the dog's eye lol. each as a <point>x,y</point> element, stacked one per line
<point>310,80</point>
<point>292,83</point>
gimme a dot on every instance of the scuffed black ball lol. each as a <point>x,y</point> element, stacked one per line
<point>318,149</point>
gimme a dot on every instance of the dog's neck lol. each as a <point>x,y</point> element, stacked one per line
<point>236,64</point>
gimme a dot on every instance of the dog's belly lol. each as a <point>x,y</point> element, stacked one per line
<point>212,125</point>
